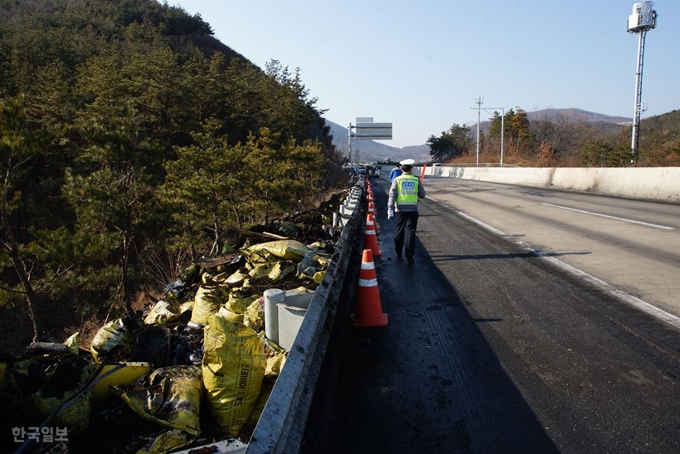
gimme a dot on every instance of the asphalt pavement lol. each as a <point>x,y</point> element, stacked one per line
<point>406,387</point>
<point>489,350</point>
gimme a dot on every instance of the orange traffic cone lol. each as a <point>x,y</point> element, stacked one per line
<point>370,237</point>
<point>371,218</point>
<point>371,208</point>
<point>369,309</point>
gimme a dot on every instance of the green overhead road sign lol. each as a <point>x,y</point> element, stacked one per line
<point>373,131</point>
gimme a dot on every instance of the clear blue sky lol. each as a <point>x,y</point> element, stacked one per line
<point>420,64</point>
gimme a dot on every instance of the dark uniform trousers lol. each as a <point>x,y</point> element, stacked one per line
<point>405,236</point>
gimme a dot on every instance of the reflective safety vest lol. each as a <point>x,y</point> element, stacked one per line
<point>407,189</point>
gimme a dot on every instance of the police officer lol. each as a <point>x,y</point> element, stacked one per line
<point>395,173</point>
<point>402,204</point>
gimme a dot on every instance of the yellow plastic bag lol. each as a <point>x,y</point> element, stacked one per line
<point>276,356</point>
<point>236,278</point>
<point>163,312</point>
<point>72,343</point>
<point>254,316</point>
<point>169,396</point>
<point>283,249</point>
<point>233,365</point>
<point>261,269</point>
<point>119,333</point>
<point>240,299</point>
<point>312,267</point>
<point>258,408</point>
<point>208,299</point>
<point>281,270</point>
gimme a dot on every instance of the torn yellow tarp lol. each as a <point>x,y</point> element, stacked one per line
<point>123,376</point>
<point>169,396</point>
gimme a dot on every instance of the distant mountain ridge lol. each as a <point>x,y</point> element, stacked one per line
<point>574,115</point>
<point>372,151</point>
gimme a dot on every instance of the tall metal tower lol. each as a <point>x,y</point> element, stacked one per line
<point>640,21</point>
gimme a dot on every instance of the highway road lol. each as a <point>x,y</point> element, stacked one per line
<point>631,245</point>
<point>526,325</point>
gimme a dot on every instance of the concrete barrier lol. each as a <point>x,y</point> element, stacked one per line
<point>658,183</point>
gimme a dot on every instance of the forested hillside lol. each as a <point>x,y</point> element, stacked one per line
<point>132,143</point>
<point>559,139</point>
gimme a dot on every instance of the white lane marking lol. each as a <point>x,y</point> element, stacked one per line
<point>620,294</point>
<point>609,217</point>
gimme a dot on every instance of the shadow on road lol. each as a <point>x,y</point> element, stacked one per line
<point>429,381</point>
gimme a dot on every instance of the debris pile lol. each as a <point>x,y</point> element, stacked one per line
<point>193,368</point>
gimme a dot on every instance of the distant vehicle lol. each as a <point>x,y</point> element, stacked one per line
<point>437,164</point>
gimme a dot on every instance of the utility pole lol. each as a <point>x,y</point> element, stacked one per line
<point>479,102</point>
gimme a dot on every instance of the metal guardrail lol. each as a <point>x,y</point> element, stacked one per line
<point>281,427</point>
